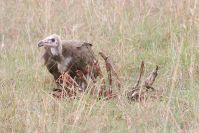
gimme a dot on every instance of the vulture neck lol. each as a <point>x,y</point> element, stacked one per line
<point>57,53</point>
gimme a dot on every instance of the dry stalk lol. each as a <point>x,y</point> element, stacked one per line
<point>140,92</point>
<point>99,73</point>
<point>140,76</point>
<point>110,69</point>
<point>151,78</point>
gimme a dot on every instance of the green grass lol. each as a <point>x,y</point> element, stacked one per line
<point>163,33</point>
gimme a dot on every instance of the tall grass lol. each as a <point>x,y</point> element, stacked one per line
<point>129,31</point>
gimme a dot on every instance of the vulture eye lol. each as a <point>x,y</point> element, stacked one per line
<point>53,40</point>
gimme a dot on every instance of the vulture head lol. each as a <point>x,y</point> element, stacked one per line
<point>53,42</point>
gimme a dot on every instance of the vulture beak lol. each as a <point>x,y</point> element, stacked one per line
<point>40,44</point>
<point>43,43</point>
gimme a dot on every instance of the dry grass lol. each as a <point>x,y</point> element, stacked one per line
<point>156,31</point>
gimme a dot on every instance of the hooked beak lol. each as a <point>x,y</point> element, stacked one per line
<point>40,44</point>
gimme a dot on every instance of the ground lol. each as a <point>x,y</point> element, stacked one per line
<point>163,33</point>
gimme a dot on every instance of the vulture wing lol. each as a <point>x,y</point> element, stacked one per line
<point>81,53</point>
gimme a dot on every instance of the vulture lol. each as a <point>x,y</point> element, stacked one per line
<point>69,56</point>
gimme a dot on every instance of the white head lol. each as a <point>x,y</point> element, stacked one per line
<point>53,42</point>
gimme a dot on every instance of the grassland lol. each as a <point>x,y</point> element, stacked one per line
<point>129,31</point>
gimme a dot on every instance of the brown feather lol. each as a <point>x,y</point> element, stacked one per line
<point>82,56</point>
